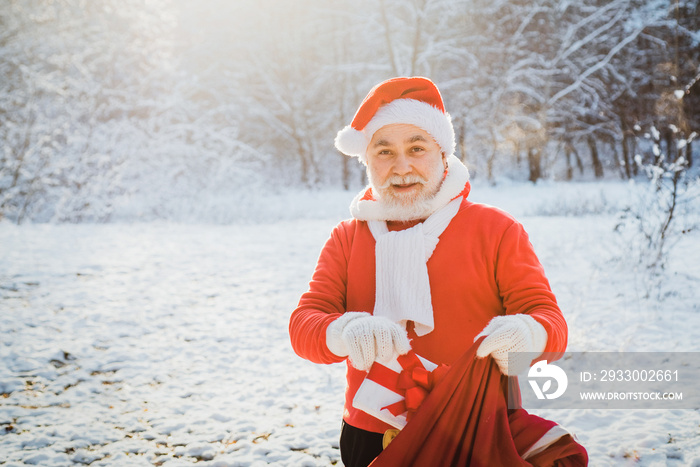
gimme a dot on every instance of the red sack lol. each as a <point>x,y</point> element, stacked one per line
<point>465,421</point>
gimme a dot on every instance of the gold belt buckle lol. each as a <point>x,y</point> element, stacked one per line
<point>389,436</point>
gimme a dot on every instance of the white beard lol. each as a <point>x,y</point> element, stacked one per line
<point>394,210</point>
<point>408,207</point>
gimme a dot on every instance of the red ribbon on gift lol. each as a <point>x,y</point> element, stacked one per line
<point>414,382</point>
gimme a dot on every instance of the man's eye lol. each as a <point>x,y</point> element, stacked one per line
<point>417,149</point>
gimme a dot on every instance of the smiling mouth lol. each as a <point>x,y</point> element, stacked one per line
<point>405,186</point>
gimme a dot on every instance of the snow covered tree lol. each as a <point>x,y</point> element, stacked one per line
<point>76,78</point>
<point>662,212</point>
<point>173,103</point>
<point>655,81</point>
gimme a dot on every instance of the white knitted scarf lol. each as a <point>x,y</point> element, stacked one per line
<point>403,285</point>
<point>402,282</point>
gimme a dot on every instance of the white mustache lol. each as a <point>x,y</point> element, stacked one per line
<point>403,180</point>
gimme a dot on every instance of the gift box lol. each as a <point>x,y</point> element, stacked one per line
<point>392,392</point>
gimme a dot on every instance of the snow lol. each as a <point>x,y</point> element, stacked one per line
<point>166,343</point>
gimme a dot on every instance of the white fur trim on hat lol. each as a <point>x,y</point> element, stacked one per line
<point>438,124</point>
<point>351,142</point>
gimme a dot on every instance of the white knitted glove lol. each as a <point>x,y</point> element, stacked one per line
<point>512,333</point>
<point>365,338</point>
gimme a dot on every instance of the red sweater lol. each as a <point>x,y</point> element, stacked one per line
<point>483,266</point>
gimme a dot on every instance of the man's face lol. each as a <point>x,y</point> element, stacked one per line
<point>404,164</point>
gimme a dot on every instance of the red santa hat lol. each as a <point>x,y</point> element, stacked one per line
<point>414,101</point>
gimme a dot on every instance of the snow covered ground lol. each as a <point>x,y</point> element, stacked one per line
<point>166,344</point>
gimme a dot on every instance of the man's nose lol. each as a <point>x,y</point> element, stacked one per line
<point>402,165</point>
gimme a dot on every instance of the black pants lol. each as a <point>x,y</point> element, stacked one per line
<point>359,447</point>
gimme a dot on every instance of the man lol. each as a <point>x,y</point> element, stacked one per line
<point>418,266</point>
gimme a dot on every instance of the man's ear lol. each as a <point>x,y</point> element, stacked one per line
<point>444,160</point>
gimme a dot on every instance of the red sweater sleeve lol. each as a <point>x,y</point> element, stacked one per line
<point>324,301</point>
<point>524,288</point>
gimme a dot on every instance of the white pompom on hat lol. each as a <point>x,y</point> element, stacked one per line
<point>415,101</point>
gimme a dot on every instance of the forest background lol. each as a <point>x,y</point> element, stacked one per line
<point>141,342</point>
<point>123,110</point>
